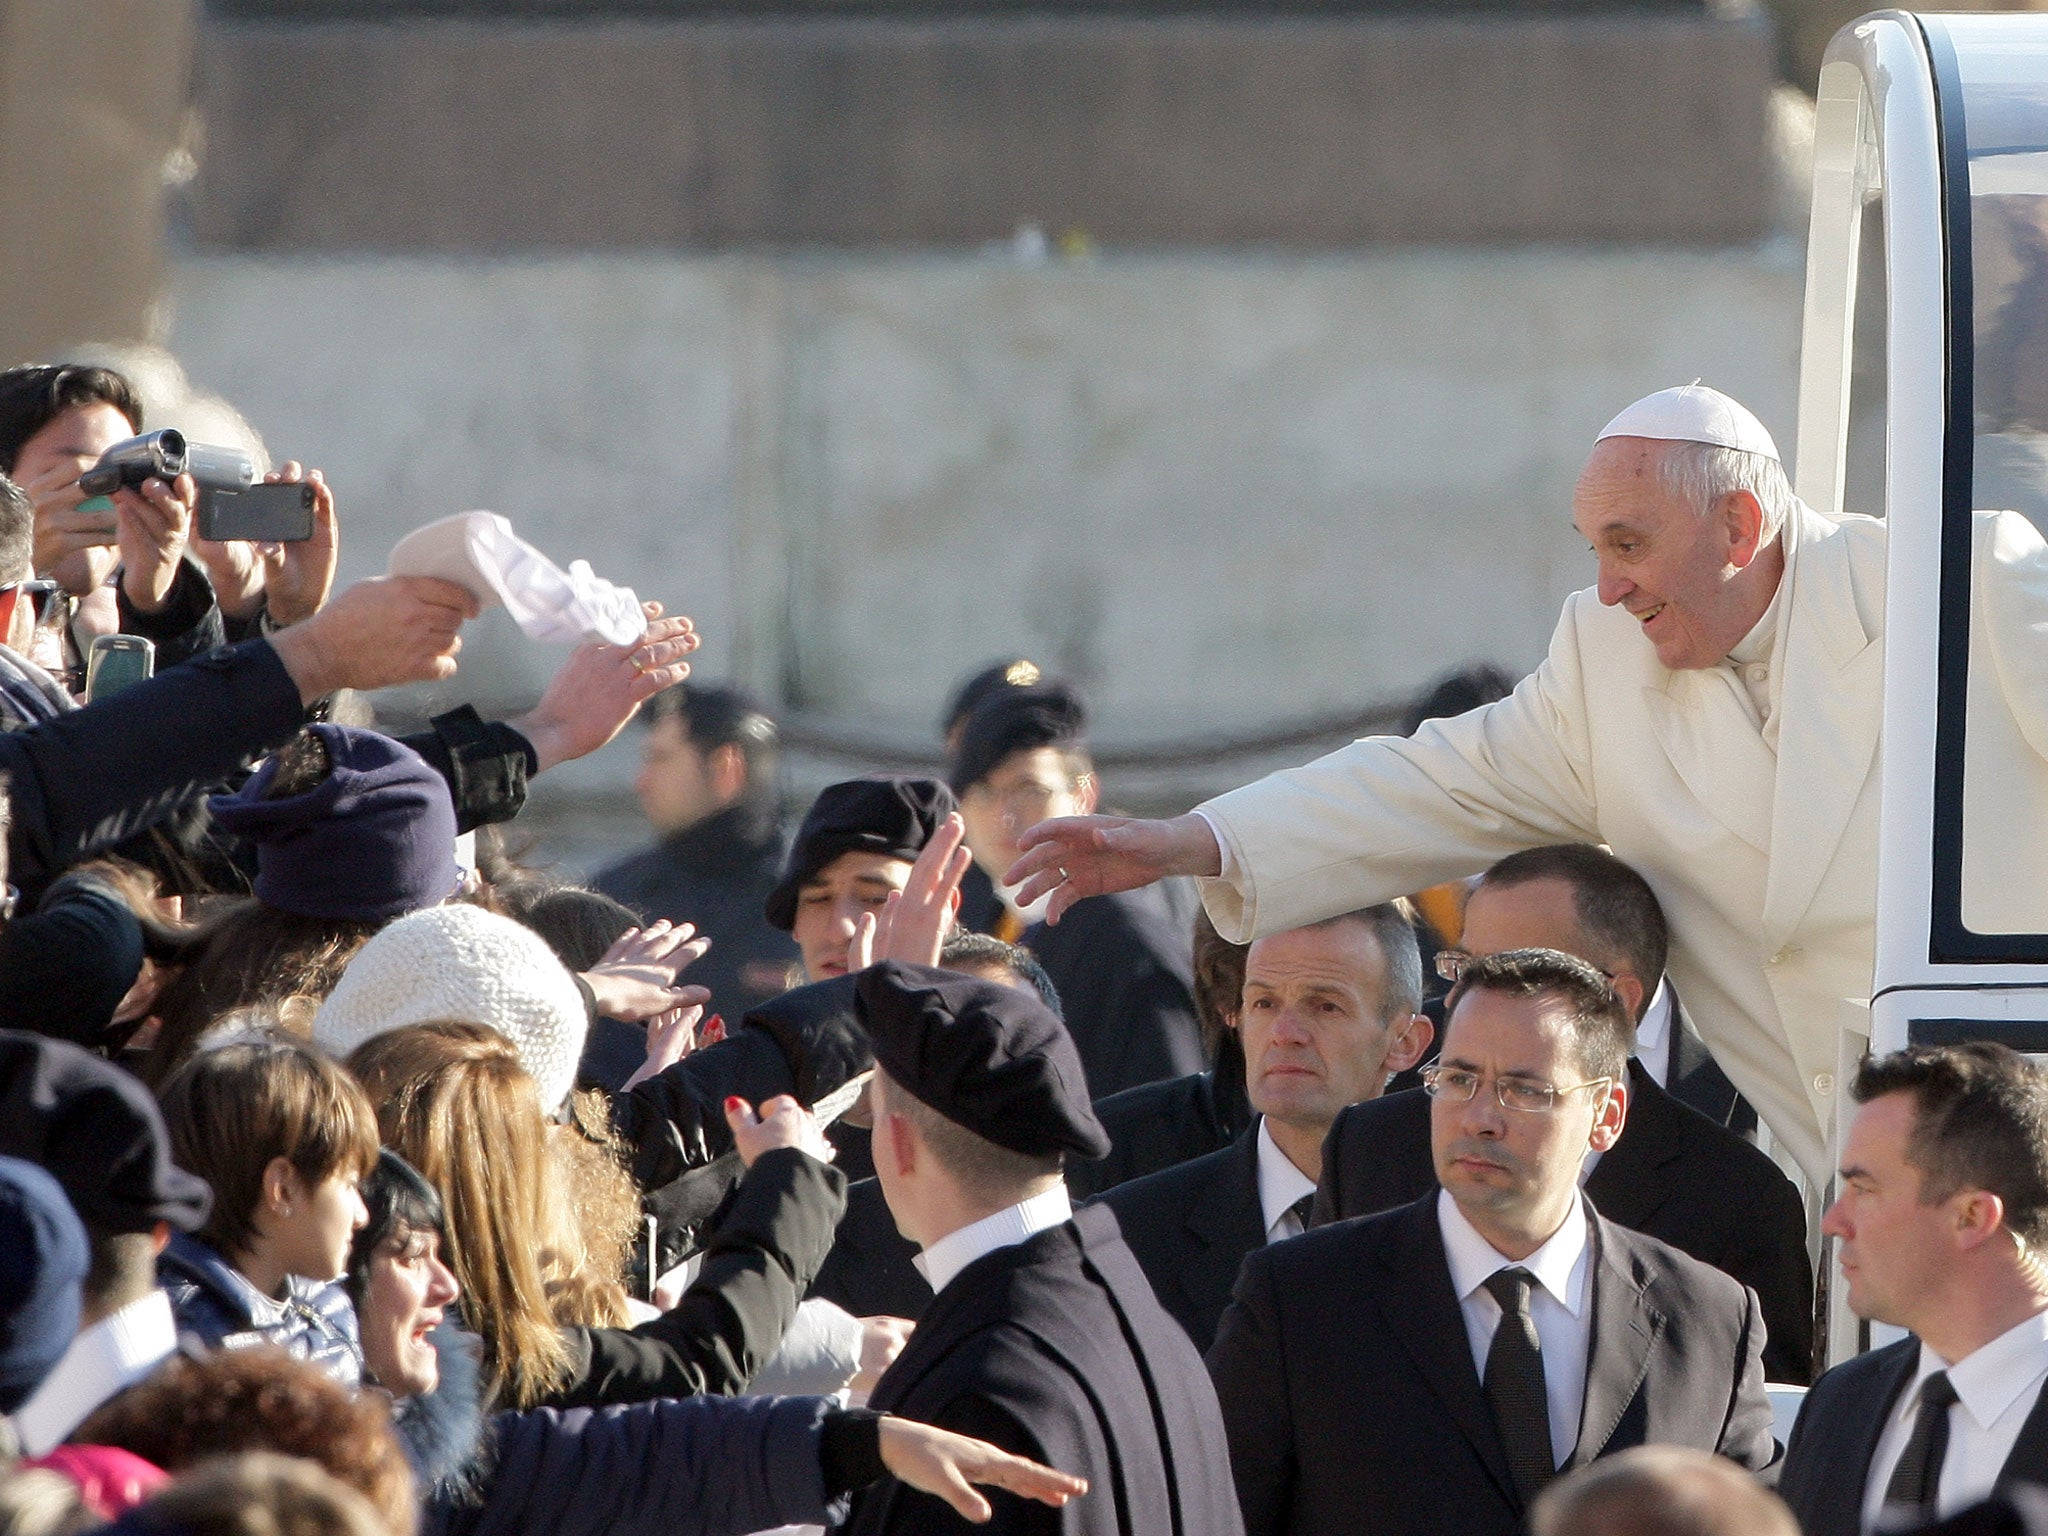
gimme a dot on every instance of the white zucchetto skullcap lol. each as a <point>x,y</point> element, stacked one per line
<point>460,962</point>
<point>1693,413</point>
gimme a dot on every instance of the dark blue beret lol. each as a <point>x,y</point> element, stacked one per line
<point>988,1057</point>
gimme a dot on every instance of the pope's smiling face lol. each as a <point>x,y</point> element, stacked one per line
<point>1684,576</point>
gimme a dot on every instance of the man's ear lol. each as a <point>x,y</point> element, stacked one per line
<point>1628,986</point>
<point>1743,516</point>
<point>1980,1215</point>
<point>902,1142</point>
<point>1613,1115</point>
<point>1410,1044</point>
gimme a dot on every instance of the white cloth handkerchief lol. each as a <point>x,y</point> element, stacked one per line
<point>479,552</point>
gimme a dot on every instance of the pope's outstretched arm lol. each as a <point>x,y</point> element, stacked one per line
<point>1377,819</point>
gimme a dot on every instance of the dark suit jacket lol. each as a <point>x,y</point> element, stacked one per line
<point>1157,1125</point>
<point>1191,1227</point>
<point>1827,1463</point>
<point>1696,1080</point>
<point>1056,1349</point>
<point>1352,1403</point>
<point>1674,1175</point>
<point>1124,967</point>
<point>869,1270</point>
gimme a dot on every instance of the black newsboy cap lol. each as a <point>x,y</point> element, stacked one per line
<point>988,1057</point>
<point>892,814</point>
<point>1051,714</point>
<point>99,1133</point>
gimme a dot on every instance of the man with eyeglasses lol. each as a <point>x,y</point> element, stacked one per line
<point>1674,1175</point>
<point>1123,963</point>
<point>1431,1369</point>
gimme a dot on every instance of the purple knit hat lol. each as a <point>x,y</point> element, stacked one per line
<point>372,841</point>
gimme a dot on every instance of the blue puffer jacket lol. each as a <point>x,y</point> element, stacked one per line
<point>699,1466</point>
<point>214,1302</point>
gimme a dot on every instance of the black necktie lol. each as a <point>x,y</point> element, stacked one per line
<point>1916,1480</point>
<point>1514,1384</point>
<point>1300,1209</point>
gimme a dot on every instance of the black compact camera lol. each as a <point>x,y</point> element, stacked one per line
<point>231,504</point>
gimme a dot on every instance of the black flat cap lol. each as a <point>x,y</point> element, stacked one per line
<point>1049,714</point>
<point>988,1057</point>
<point>98,1132</point>
<point>892,814</point>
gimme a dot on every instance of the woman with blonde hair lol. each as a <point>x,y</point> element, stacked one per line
<point>454,1101</point>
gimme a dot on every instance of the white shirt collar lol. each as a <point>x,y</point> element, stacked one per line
<point>1280,1182</point>
<point>1474,1260</point>
<point>109,1357</point>
<point>1015,1224</point>
<point>1655,1026</point>
<point>1991,1377</point>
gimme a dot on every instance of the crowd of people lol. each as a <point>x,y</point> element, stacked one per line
<point>953,1157</point>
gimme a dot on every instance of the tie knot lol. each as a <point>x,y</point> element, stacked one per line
<point>1937,1391</point>
<point>1510,1287</point>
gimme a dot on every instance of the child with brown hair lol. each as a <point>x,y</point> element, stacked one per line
<point>285,1137</point>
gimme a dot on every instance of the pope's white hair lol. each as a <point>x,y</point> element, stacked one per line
<point>1703,473</point>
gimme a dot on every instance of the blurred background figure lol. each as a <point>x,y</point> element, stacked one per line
<point>1660,1490</point>
<point>708,787</point>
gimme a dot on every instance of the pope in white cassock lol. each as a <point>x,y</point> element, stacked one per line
<point>1710,710</point>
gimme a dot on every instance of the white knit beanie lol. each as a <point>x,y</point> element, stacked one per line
<point>460,962</point>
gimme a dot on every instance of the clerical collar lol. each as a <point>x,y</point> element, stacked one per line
<point>1762,639</point>
<point>109,1357</point>
<point>1008,1227</point>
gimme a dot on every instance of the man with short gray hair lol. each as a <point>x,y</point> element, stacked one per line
<point>1327,1014</point>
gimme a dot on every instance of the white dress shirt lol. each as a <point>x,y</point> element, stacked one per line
<point>109,1357</point>
<point>1280,1185</point>
<point>1560,1304</point>
<point>1653,1035</point>
<point>1996,1387</point>
<point>1005,1229</point>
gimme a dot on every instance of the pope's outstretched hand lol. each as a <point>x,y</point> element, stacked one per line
<point>1075,857</point>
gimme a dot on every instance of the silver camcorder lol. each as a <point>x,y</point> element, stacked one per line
<point>231,504</point>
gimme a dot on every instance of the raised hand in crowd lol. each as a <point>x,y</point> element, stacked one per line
<point>940,1462</point>
<point>290,580</point>
<point>782,1122</point>
<point>600,687</point>
<point>1075,857</point>
<point>152,526</point>
<point>380,632</point>
<point>670,1037</point>
<point>635,980</point>
<point>913,923</point>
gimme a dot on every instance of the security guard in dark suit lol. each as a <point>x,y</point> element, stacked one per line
<point>1043,1335</point>
<point>1675,1174</point>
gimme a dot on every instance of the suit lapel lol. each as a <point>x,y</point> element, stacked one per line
<point>1625,1325</point>
<point>1226,1226</point>
<point>2028,1462</point>
<point>1422,1311</point>
<point>1628,1184</point>
<point>1707,735</point>
<point>1831,676</point>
